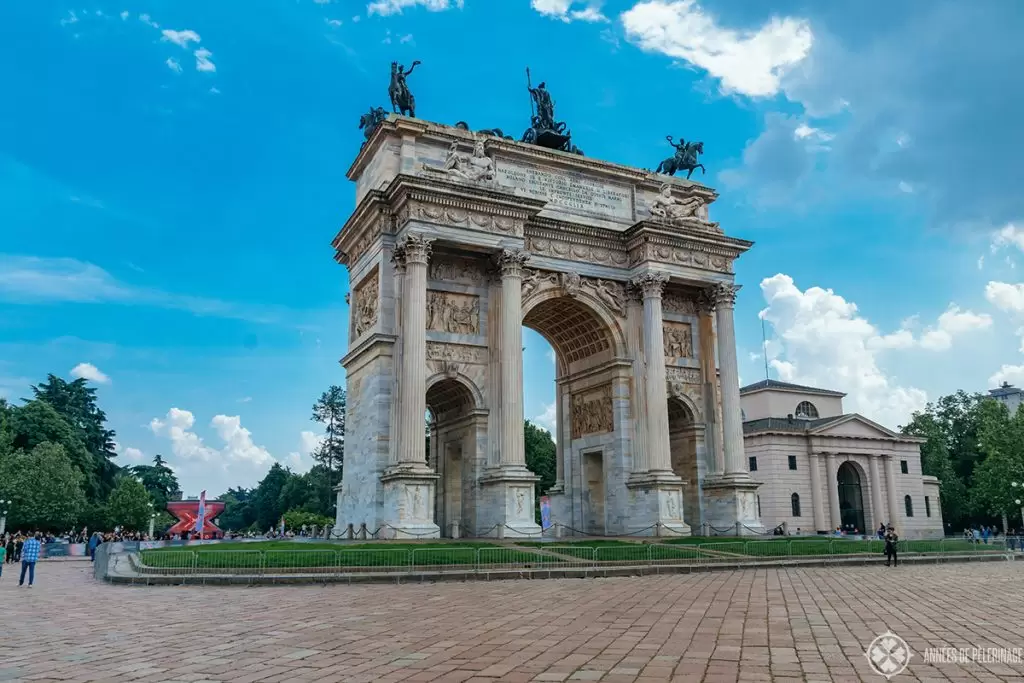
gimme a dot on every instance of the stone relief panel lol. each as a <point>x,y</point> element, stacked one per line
<point>748,506</point>
<point>367,240</point>
<point>461,217</point>
<point>678,338</point>
<point>456,353</point>
<point>612,294</point>
<point>672,505</point>
<point>678,303</point>
<point>679,256</point>
<point>517,505</point>
<point>367,308</point>
<point>416,501</point>
<point>559,249</point>
<point>454,269</point>
<point>454,313</point>
<point>592,412</point>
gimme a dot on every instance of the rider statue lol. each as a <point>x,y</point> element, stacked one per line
<point>545,107</point>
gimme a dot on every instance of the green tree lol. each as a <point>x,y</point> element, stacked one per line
<point>295,519</point>
<point>76,402</point>
<point>159,480</point>
<point>540,455</point>
<point>44,487</point>
<point>329,410</point>
<point>129,504</point>
<point>1001,441</point>
<point>936,462</point>
<point>267,497</point>
<point>239,512</point>
<point>37,422</point>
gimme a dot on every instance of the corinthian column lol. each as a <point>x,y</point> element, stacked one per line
<point>511,262</point>
<point>724,297</point>
<point>398,259</point>
<point>415,251</point>
<point>659,457</point>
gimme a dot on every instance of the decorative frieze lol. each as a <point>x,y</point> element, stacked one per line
<point>680,256</point>
<point>367,240</point>
<point>684,375</point>
<point>679,304</point>
<point>460,216</point>
<point>454,313</point>
<point>460,353</point>
<point>545,246</point>
<point>450,269</point>
<point>367,308</point>
<point>592,412</point>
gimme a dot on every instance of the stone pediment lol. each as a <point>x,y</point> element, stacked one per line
<point>854,426</point>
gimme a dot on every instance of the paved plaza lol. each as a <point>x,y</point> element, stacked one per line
<point>756,625</point>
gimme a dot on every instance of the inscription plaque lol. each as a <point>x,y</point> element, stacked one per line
<point>569,191</point>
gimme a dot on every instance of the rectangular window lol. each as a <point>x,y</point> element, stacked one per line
<point>753,463</point>
<point>792,462</point>
<point>903,467</point>
<point>927,507</point>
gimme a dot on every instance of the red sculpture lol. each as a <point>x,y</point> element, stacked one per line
<point>187,511</point>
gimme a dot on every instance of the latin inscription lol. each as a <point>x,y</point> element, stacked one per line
<point>569,191</point>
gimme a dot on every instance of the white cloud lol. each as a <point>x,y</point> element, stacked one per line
<point>214,91</point>
<point>1012,374</point>
<point>905,187</point>
<point>750,63</point>
<point>173,65</point>
<point>333,23</point>
<point>203,62</point>
<point>388,7</point>
<point>1010,235</point>
<point>124,15</point>
<point>981,262</point>
<point>563,9</point>
<point>548,420</point>
<point>1006,297</point>
<point>133,454</point>
<point>300,461</point>
<point>407,38</point>
<point>180,38</point>
<point>951,323</point>
<point>824,342</point>
<point>805,132</point>
<point>90,372</point>
<point>145,19</point>
<point>71,18</point>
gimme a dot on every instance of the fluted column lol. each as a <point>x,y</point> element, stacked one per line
<point>833,491</point>
<point>398,259</point>
<point>659,458</point>
<point>732,416</point>
<point>511,262</point>
<point>817,505</point>
<point>635,338</point>
<point>559,440</point>
<point>890,490</point>
<point>415,251</point>
<point>878,513</point>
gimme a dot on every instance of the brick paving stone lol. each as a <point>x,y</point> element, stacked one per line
<point>799,624</point>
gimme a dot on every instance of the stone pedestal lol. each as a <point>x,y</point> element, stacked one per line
<point>508,506</point>
<point>409,502</point>
<point>731,503</point>
<point>656,505</point>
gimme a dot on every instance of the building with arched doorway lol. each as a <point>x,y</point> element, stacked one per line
<point>458,241</point>
<point>825,469</point>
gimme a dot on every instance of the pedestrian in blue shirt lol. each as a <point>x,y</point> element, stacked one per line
<point>29,557</point>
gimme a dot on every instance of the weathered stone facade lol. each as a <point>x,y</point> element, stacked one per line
<point>463,240</point>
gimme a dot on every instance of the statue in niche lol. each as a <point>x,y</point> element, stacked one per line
<point>453,313</point>
<point>678,341</point>
<point>668,207</point>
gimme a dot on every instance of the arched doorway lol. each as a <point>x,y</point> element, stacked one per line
<point>851,499</point>
<point>452,454</point>
<point>685,436</point>
<point>586,385</point>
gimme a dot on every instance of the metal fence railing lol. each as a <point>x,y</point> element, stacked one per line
<point>480,557</point>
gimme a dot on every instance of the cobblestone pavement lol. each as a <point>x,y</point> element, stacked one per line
<point>756,625</point>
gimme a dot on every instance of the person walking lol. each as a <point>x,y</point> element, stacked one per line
<point>29,557</point>
<point>891,541</point>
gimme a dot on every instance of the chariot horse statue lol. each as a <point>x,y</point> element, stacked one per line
<point>686,158</point>
<point>402,100</point>
<point>368,122</point>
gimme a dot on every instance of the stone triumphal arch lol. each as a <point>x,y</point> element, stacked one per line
<point>458,241</point>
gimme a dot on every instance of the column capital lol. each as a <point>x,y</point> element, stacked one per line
<point>722,295</point>
<point>415,248</point>
<point>511,262</point>
<point>398,258</point>
<point>651,284</point>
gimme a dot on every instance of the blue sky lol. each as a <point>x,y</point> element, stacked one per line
<point>172,173</point>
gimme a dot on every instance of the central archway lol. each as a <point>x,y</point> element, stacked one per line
<point>590,395</point>
<point>451,452</point>
<point>851,499</point>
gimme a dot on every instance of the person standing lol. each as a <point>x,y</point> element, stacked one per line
<point>891,542</point>
<point>3,556</point>
<point>29,557</point>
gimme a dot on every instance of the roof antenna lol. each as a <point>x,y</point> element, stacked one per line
<point>764,348</point>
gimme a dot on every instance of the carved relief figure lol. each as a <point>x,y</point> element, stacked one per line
<point>571,283</point>
<point>366,309</point>
<point>592,413</point>
<point>668,207</point>
<point>520,502</point>
<point>456,352</point>
<point>670,504</point>
<point>678,340</point>
<point>674,302</point>
<point>611,293</point>
<point>455,271</point>
<point>475,168</point>
<point>454,313</point>
<point>418,504</point>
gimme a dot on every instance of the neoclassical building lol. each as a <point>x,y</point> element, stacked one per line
<point>459,240</point>
<point>823,468</point>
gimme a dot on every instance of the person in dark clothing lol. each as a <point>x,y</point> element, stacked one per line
<point>891,542</point>
<point>10,549</point>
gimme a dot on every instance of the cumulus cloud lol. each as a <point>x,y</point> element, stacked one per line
<point>386,8</point>
<point>180,38</point>
<point>203,62</point>
<point>173,65</point>
<point>1006,297</point>
<point>300,460</point>
<point>548,420</point>
<point>148,21</point>
<point>1009,236</point>
<point>1011,374</point>
<point>951,323</point>
<point>566,10</point>
<point>90,372</point>
<point>822,340</point>
<point>747,62</point>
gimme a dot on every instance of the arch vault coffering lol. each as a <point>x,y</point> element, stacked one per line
<point>572,328</point>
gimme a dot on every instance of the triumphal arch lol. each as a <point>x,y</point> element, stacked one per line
<point>460,239</point>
